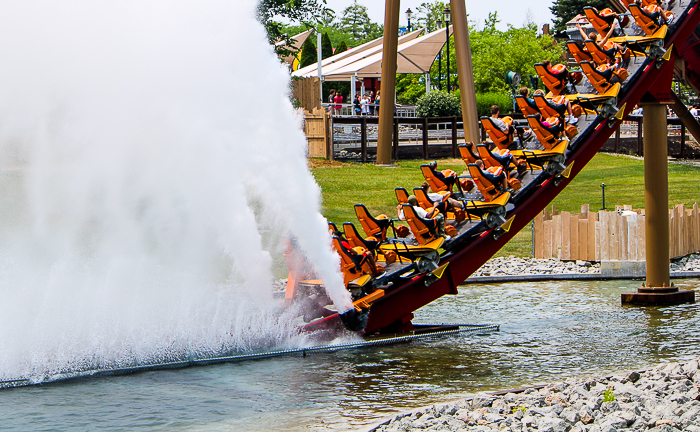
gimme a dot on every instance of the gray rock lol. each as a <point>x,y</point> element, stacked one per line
<point>551,424</point>
<point>570,415</point>
<point>480,401</point>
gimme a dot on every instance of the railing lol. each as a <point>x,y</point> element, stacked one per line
<point>629,138</point>
<point>418,136</point>
<point>348,110</point>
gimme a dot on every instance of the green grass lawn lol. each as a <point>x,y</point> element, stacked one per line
<point>344,185</point>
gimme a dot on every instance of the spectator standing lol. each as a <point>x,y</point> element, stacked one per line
<point>331,101</point>
<point>356,104</point>
<point>338,103</point>
<point>365,105</point>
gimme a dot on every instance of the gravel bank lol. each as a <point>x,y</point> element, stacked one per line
<point>514,266</point>
<point>661,399</point>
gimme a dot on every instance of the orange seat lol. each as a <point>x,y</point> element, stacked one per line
<point>494,159</point>
<point>489,185</point>
<point>600,22</point>
<point>643,20</point>
<point>355,240</point>
<point>554,83</point>
<point>467,153</point>
<point>578,53</point>
<point>424,230</point>
<point>597,80</point>
<point>597,55</point>
<point>352,264</point>
<point>525,106</point>
<point>373,227</point>
<point>500,139</point>
<point>436,184</point>
<point>423,199</point>
<point>401,195</point>
<point>550,109</point>
<point>547,137</point>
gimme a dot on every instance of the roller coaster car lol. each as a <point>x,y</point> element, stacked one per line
<point>599,81</point>
<point>598,103</point>
<point>467,153</point>
<point>492,212</point>
<point>577,52</point>
<point>436,183</point>
<point>644,45</point>
<point>550,161</point>
<point>496,159</point>
<point>373,227</point>
<point>426,203</point>
<point>490,185</point>
<point>525,106</point>
<point>644,20</point>
<point>501,139</point>
<point>549,135</point>
<point>556,83</point>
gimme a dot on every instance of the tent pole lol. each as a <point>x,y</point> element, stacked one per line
<point>465,71</point>
<point>320,68</point>
<point>386,106</point>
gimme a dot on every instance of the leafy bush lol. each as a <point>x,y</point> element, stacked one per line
<point>484,102</point>
<point>438,104</point>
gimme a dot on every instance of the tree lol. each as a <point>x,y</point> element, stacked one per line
<point>438,104</point>
<point>309,54</point>
<point>293,10</point>
<point>356,22</point>
<point>566,10</point>
<point>326,46</point>
<point>429,14</point>
<point>342,47</point>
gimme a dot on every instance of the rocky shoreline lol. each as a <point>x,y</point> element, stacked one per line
<point>665,398</point>
<point>515,266</point>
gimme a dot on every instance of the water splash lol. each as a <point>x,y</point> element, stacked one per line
<point>142,147</point>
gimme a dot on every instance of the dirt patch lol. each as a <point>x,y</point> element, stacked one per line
<point>324,163</point>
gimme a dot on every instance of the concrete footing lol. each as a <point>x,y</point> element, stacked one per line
<point>665,296</point>
<point>623,269</point>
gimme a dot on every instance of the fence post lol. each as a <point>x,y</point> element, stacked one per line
<point>639,137</point>
<point>425,137</point>
<point>454,137</point>
<point>396,139</point>
<point>363,138</point>
<point>617,139</point>
<point>682,140</point>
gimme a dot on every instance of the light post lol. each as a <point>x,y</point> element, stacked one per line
<point>439,24</point>
<point>409,15</point>
<point>447,16</point>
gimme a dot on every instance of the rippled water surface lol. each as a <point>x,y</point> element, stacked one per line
<point>548,331</point>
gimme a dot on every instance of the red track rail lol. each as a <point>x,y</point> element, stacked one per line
<point>398,305</point>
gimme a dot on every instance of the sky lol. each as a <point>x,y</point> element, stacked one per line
<point>509,11</point>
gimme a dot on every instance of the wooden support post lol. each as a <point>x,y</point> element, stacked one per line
<point>617,140</point>
<point>465,72</point>
<point>640,134</point>
<point>396,140</point>
<point>386,108</point>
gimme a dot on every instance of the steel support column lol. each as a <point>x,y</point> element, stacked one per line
<point>386,106</point>
<point>465,71</point>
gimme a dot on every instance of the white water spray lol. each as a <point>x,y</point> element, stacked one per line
<point>142,144</point>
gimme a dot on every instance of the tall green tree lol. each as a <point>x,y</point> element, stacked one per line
<point>565,10</point>
<point>309,54</point>
<point>326,46</point>
<point>355,21</point>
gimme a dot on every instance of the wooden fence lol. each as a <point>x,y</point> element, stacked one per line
<point>615,235</point>
<point>317,126</point>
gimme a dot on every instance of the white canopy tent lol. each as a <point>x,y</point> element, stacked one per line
<point>350,56</point>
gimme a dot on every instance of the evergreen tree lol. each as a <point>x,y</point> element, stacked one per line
<point>309,54</point>
<point>326,46</point>
<point>342,47</point>
<point>566,10</point>
<point>356,22</point>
